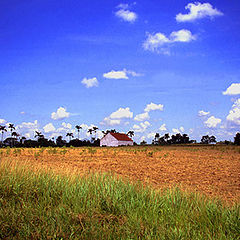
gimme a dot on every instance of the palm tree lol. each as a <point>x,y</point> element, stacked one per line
<point>15,135</point>
<point>11,126</point>
<point>95,130</point>
<point>90,131</point>
<point>70,135</point>
<point>38,135</point>
<point>3,129</point>
<point>104,133</point>
<point>78,129</point>
<point>130,133</point>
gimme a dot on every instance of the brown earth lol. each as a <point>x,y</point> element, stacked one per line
<point>212,170</point>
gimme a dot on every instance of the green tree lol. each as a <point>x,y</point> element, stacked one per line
<point>90,131</point>
<point>156,138</point>
<point>130,133</point>
<point>78,129</point>
<point>237,139</point>
<point>70,135</point>
<point>11,126</point>
<point>95,131</point>
<point>3,129</point>
<point>38,135</point>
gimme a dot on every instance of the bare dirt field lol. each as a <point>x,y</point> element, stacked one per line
<point>211,170</point>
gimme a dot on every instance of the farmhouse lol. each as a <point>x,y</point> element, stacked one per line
<point>115,139</point>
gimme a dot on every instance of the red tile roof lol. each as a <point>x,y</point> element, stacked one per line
<point>121,136</point>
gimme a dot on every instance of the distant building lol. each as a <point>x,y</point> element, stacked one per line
<point>115,140</point>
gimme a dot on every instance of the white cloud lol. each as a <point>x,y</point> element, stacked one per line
<point>84,126</point>
<point>212,122</point>
<point>2,121</point>
<point>122,113</point>
<point>142,116</point>
<point>121,74</point>
<point>90,82</point>
<point>28,129</point>
<point>175,130</point>
<point>111,122</point>
<point>202,113</point>
<point>133,73</point>
<point>137,128</point>
<point>153,106</point>
<point>234,113</point>
<point>145,124</point>
<point>163,127</point>
<point>182,36</point>
<point>234,89</point>
<point>155,42</point>
<point>142,128</point>
<point>116,117</point>
<point>67,125</point>
<point>123,6</point>
<point>60,114</point>
<point>151,135</point>
<point>125,14</point>
<point>116,75</point>
<point>49,128</point>
<point>197,11</point>
<point>181,129</point>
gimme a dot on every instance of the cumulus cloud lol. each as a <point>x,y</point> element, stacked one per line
<point>28,129</point>
<point>151,135</point>
<point>60,114</point>
<point>181,129</point>
<point>121,74</point>
<point>153,106</point>
<point>212,122</point>
<point>67,125</point>
<point>142,128</point>
<point>142,116</point>
<point>202,113</point>
<point>176,130</point>
<point>155,42</point>
<point>122,113</point>
<point>234,89</point>
<point>90,82</point>
<point>49,128</point>
<point>125,14</point>
<point>116,75</point>
<point>110,122</point>
<point>197,11</point>
<point>163,127</point>
<point>182,36</point>
<point>2,121</point>
<point>234,113</point>
<point>116,117</point>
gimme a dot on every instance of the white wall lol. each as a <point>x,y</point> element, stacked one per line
<point>111,141</point>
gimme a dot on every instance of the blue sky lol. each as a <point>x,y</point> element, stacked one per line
<point>147,66</point>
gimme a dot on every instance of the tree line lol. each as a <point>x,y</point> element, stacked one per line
<point>15,140</point>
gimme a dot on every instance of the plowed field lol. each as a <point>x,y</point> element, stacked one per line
<point>212,170</point>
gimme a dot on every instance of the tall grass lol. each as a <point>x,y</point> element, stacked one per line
<point>43,205</point>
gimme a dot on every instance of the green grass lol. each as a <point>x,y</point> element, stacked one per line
<point>49,206</point>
